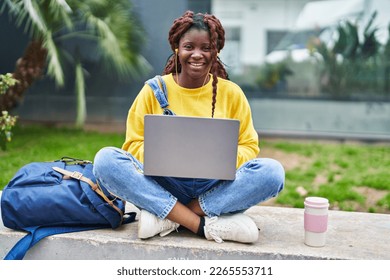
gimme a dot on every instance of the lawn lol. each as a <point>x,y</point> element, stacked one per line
<point>39,143</point>
<point>353,176</point>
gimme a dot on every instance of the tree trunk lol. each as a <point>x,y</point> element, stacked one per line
<point>28,68</point>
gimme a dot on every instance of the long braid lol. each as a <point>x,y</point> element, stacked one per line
<point>217,40</point>
<point>213,70</point>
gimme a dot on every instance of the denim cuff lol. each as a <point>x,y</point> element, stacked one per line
<point>202,205</point>
<point>168,208</point>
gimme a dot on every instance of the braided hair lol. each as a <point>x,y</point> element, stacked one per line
<point>210,24</point>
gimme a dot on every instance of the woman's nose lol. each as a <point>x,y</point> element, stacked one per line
<point>197,53</point>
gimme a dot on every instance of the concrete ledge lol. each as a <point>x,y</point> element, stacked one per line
<point>351,236</point>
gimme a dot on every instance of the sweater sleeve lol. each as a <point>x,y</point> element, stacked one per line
<point>143,104</point>
<point>248,141</point>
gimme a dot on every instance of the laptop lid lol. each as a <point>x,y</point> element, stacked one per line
<point>190,147</point>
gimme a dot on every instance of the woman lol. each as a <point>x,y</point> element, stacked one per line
<point>197,85</point>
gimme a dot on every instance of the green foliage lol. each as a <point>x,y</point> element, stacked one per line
<point>354,63</point>
<point>7,122</point>
<point>272,75</point>
<point>109,29</point>
<point>6,81</point>
<point>109,25</point>
<point>385,58</point>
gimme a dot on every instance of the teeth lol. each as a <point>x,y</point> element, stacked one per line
<point>197,64</point>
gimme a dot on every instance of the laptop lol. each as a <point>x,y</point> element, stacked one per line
<point>190,147</point>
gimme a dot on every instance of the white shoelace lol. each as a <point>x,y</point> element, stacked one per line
<point>167,227</point>
<point>212,233</point>
<point>215,237</point>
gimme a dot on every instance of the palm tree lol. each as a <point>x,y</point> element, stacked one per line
<point>54,25</point>
<point>349,64</point>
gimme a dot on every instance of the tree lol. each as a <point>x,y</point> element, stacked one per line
<point>351,63</point>
<point>55,25</point>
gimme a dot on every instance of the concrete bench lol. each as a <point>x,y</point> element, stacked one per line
<point>351,236</point>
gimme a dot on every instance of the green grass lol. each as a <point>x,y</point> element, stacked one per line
<point>38,143</point>
<point>333,170</point>
<point>337,171</point>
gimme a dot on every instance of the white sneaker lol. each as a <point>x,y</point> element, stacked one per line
<point>236,227</point>
<point>150,225</point>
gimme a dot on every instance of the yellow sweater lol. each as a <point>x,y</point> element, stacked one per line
<point>231,103</point>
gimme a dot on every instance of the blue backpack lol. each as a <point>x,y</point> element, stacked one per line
<point>46,198</point>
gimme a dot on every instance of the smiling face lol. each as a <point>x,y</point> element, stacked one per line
<point>194,52</point>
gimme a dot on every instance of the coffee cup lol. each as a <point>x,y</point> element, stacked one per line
<point>316,221</point>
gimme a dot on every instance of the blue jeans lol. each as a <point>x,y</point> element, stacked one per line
<point>256,181</point>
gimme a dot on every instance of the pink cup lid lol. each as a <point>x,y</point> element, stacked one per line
<point>316,202</point>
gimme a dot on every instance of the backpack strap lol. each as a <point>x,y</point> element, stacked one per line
<point>35,234</point>
<point>160,94</point>
<point>95,187</point>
